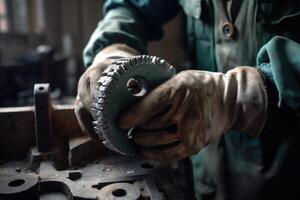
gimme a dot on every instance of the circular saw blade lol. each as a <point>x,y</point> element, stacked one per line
<point>112,96</point>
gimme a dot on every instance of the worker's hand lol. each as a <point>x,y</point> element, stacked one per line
<point>194,109</point>
<point>88,81</point>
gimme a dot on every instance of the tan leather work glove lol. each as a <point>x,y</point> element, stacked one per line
<point>194,109</point>
<point>88,80</point>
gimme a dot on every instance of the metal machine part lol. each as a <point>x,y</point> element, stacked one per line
<point>123,82</point>
<point>124,191</point>
<point>19,187</point>
<point>113,177</point>
<point>42,117</point>
<point>75,167</point>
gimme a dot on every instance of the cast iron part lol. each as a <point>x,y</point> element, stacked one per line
<point>122,83</point>
<point>43,117</point>
<point>19,187</point>
<point>155,180</point>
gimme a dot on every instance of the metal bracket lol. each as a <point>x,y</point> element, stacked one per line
<point>43,125</point>
<point>43,108</point>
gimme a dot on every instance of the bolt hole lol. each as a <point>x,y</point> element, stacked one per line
<point>119,193</point>
<point>16,183</point>
<point>41,88</point>
<point>137,86</point>
<point>147,165</point>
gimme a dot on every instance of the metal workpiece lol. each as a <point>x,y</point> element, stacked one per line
<point>123,82</point>
<point>43,108</point>
<point>71,165</point>
<point>111,177</point>
<point>19,187</point>
<point>127,191</point>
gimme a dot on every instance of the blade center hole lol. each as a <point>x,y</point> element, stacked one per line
<point>137,86</point>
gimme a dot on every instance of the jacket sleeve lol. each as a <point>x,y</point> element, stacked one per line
<point>279,61</point>
<point>131,22</point>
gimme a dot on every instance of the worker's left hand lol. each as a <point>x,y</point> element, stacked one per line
<point>88,82</point>
<point>194,109</point>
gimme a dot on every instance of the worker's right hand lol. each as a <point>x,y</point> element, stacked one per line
<point>194,109</point>
<point>88,81</point>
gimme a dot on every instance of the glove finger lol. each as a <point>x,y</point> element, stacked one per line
<point>148,106</point>
<point>152,139</point>
<point>85,119</point>
<point>159,121</point>
<point>174,153</point>
<point>173,112</point>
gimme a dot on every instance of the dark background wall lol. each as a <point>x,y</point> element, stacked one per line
<point>65,25</point>
<point>61,22</point>
<point>79,18</point>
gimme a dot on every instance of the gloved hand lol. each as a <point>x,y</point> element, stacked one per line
<point>194,109</point>
<point>88,80</point>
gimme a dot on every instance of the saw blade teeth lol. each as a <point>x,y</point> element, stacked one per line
<point>172,70</point>
<point>101,100</point>
<point>99,83</point>
<point>101,124</point>
<point>106,71</point>
<point>94,105</point>
<point>100,108</point>
<point>99,133</point>
<point>102,94</point>
<point>94,113</point>
<point>108,143</point>
<point>95,123</point>
<point>144,57</point>
<point>153,59</point>
<point>121,70</point>
<point>102,88</point>
<point>115,76</point>
<point>120,61</point>
<point>97,129</point>
<point>159,62</point>
<point>105,81</point>
<point>132,62</point>
<point>140,59</point>
<point>162,63</point>
<point>100,113</point>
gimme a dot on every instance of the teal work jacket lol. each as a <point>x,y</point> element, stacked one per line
<point>222,35</point>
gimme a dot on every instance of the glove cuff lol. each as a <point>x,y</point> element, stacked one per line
<point>251,101</point>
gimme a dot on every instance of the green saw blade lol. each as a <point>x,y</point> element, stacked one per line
<point>114,94</point>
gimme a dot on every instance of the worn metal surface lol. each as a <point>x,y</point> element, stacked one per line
<point>121,83</point>
<point>43,125</point>
<point>18,128</point>
<point>19,187</point>
<point>117,177</point>
<point>76,167</point>
<point>124,191</point>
